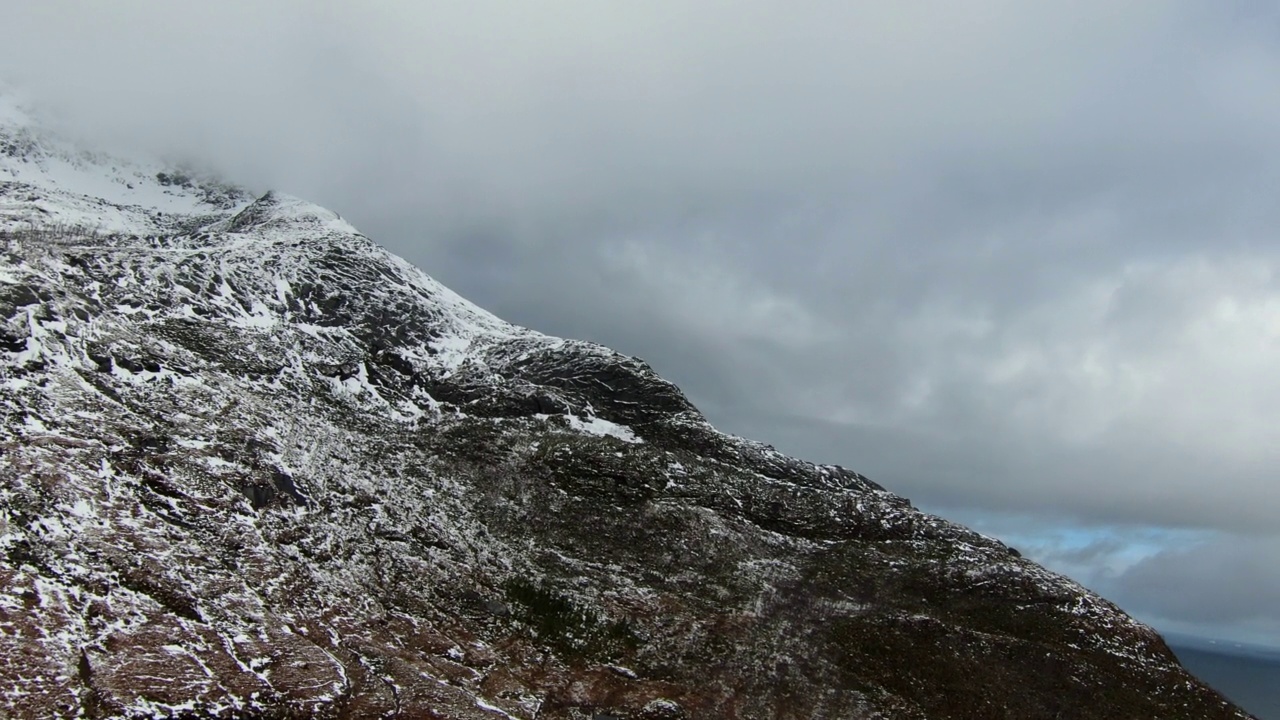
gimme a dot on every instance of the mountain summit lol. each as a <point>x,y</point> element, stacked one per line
<point>256,466</point>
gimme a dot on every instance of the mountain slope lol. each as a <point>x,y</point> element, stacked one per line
<point>254,465</point>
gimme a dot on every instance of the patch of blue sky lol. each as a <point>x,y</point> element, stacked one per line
<point>1099,556</point>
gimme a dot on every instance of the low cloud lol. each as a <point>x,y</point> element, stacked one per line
<point>1229,580</point>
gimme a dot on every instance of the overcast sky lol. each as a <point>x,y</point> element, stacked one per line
<point>1014,260</point>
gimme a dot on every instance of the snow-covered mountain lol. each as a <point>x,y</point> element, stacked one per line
<point>255,465</point>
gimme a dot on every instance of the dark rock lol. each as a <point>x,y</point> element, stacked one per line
<point>12,343</point>
<point>20,296</point>
<point>133,365</point>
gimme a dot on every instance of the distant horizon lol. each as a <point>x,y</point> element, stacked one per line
<point>1225,645</point>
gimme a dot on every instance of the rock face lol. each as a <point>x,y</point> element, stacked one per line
<point>255,466</point>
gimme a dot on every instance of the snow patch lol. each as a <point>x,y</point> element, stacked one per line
<point>593,425</point>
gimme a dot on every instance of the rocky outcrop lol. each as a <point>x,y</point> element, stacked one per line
<point>255,466</point>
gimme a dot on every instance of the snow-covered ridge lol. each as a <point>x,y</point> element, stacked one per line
<point>277,264</point>
<point>203,249</point>
<point>48,182</point>
<point>94,189</point>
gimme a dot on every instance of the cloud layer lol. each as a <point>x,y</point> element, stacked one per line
<point>1003,257</point>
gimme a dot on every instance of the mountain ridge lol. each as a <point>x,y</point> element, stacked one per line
<point>256,465</point>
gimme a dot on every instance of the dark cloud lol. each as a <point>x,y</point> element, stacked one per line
<point>1228,580</point>
<point>1004,256</point>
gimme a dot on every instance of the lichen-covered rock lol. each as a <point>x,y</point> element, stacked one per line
<point>252,465</point>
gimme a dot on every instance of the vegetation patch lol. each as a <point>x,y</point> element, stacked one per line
<point>567,626</point>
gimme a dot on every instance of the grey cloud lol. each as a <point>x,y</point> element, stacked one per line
<point>1228,580</point>
<point>998,408</point>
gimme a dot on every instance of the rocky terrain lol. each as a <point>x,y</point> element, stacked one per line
<point>253,465</point>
